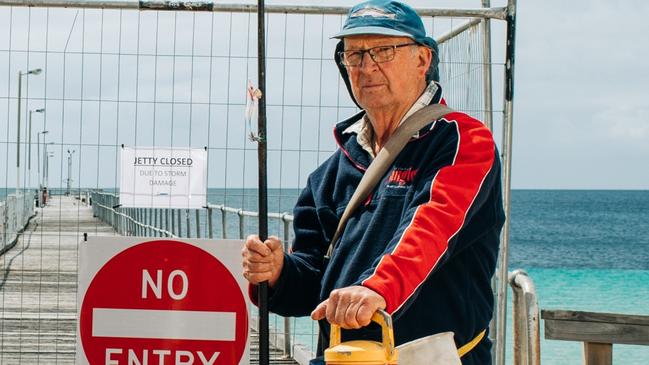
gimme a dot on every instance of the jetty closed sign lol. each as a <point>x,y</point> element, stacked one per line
<point>163,177</point>
<point>161,302</point>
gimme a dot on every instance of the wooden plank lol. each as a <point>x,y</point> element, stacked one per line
<point>580,316</point>
<point>598,353</point>
<point>596,327</point>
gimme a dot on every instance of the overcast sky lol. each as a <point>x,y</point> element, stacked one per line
<point>582,97</point>
<point>581,118</point>
<point>582,103</point>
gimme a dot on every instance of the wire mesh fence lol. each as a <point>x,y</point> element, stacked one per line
<point>115,77</point>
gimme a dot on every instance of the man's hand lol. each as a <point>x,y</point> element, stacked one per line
<point>262,261</point>
<point>350,307</point>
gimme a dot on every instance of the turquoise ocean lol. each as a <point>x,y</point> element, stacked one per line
<point>585,250</point>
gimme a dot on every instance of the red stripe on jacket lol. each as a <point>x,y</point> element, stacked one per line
<point>433,225</point>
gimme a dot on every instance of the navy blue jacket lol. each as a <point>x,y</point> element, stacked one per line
<point>427,238</point>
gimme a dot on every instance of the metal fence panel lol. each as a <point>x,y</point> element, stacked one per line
<point>120,76</point>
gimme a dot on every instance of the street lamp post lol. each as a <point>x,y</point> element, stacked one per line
<point>46,171</point>
<point>67,191</point>
<point>38,160</point>
<point>35,71</point>
<point>46,163</point>
<point>29,156</point>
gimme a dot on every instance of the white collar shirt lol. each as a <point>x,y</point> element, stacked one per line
<point>363,128</point>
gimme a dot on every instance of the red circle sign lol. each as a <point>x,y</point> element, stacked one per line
<point>164,302</point>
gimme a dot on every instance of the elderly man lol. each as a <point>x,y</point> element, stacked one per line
<point>424,244</point>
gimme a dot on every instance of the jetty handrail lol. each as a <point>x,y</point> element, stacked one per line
<point>125,223</point>
<point>135,222</point>
<point>525,313</point>
<point>15,214</point>
<point>284,217</point>
<point>128,222</point>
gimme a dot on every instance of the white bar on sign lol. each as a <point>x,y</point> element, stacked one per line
<point>163,324</point>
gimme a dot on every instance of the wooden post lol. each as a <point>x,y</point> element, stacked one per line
<point>598,353</point>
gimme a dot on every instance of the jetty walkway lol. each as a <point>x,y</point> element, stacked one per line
<point>38,287</point>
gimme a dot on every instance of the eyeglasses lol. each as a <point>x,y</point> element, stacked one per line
<point>378,54</point>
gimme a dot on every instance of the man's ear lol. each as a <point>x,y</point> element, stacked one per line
<point>425,58</point>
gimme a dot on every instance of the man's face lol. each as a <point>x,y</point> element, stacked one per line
<point>391,84</point>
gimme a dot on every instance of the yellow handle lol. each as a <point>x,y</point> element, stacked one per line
<point>384,320</point>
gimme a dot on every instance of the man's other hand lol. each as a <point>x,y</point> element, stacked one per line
<point>262,261</point>
<point>350,307</point>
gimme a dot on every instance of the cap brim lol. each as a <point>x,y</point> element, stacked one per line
<point>371,30</point>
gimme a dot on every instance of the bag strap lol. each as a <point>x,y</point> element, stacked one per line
<point>384,160</point>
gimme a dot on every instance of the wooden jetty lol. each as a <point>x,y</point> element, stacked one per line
<point>38,287</point>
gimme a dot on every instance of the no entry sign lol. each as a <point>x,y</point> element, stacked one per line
<point>161,302</point>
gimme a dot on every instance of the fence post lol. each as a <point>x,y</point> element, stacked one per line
<point>147,221</point>
<point>136,219</point>
<point>167,222</point>
<point>140,219</point>
<point>143,230</point>
<point>115,219</point>
<point>4,225</point>
<point>224,230</point>
<point>145,211</point>
<point>180,227</point>
<point>173,225</point>
<point>120,223</point>
<point>133,222</point>
<point>158,222</point>
<point>188,223</point>
<point>287,320</point>
<point>159,226</point>
<point>241,223</point>
<point>127,221</point>
<point>525,314</point>
<point>209,223</point>
<point>198,224</point>
<point>112,212</point>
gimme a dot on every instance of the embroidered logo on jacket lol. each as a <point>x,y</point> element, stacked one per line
<point>402,177</point>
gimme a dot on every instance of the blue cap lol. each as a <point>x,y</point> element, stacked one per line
<point>385,17</point>
<point>390,18</point>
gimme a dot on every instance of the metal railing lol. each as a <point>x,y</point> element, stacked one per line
<point>152,222</point>
<point>15,213</point>
<point>525,313</point>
